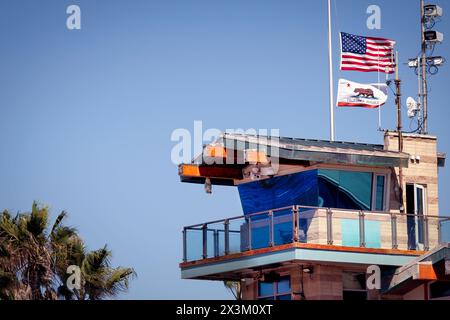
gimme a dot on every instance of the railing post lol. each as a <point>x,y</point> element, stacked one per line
<point>426,240</point>
<point>362,233</point>
<point>329,226</point>
<point>394,231</point>
<point>271,233</point>
<point>216,243</point>
<point>227,236</point>
<point>184,245</point>
<point>205,241</point>
<point>295,224</point>
<point>249,232</point>
<point>439,231</point>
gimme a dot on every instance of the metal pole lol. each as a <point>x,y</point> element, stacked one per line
<point>184,245</point>
<point>424,70</point>
<point>330,65</point>
<point>394,231</point>
<point>398,102</point>
<point>205,241</point>
<point>426,239</point>
<point>227,236</point>
<point>362,231</point>
<point>271,237</point>
<point>249,233</point>
<point>216,243</point>
<point>329,226</point>
<point>419,82</point>
<point>296,224</point>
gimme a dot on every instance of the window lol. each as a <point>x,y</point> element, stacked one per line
<point>345,189</point>
<point>379,192</point>
<point>416,209</point>
<point>275,290</point>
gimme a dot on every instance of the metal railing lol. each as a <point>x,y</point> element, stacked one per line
<point>315,225</point>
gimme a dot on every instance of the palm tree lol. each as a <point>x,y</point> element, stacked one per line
<point>27,256</point>
<point>99,280</point>
<point>34,261</point>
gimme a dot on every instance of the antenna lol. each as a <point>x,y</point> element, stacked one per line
<point>425,64</point>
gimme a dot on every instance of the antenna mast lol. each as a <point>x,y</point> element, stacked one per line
<point>423,64</point>
<point>424,94</point>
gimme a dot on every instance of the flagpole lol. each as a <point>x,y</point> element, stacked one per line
<point>330,64</point>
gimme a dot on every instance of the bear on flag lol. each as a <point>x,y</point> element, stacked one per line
<point>353,94</point>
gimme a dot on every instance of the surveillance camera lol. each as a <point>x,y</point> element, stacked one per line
<point>433,36</point>
<point>432,11</point>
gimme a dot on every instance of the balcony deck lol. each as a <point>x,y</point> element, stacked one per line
<point>228,248</point>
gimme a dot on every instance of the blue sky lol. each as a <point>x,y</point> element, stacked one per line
<point>86,116</point>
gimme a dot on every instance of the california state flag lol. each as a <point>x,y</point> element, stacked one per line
<point>353,94</point>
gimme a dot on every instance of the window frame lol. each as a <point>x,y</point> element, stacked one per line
<point>275,294</point>
<point>375,172</point>
<point>375,176</point>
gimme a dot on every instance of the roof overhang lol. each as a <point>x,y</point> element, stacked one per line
<point>223,161</point>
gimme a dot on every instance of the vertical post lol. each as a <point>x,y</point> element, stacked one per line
<point>249,232</point>
<point>295,224</point>
<point>439,231</point>
<point>227,236</point>
<point>184,245</point>
<point>329,226</point>
<point>330,66</point>
<point>205,241</point>
<point>394,231</point>
<point>216,243</point>
<point>362,231</point>
<point>398,102</point>
<point>419,82</point>
<point>424,70</point>
<point>426,240</point>
<point>271,238</point>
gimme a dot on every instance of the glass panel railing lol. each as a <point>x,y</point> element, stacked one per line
<point>444,231</point>
<point>193,244</point>
<point>312,225</point>
<point>378,230</point>
<point>361,229</point>
<point>216,239</point>
<point>260,231</point>
<point>283,231</point>
<point>237,235</point>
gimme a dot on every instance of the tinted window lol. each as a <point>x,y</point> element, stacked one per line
<point>345,189</point>
<point>379,205</point>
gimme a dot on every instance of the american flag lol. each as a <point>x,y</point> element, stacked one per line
<point>367,54</point>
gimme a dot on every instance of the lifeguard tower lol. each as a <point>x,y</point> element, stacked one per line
<point>317,214</point>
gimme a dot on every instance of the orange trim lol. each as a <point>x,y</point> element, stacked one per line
<point>253,156</point>
<point>190,170</point>
<point>300,246</point>
<point>215,151</point>
<point>427,272</point>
